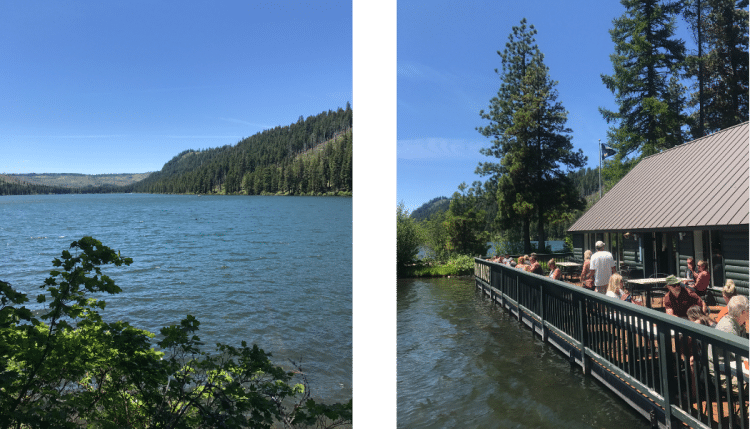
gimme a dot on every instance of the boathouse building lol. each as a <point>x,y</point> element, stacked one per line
<point>688,201</point>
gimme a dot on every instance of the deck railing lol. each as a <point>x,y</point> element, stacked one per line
<point>672,371</point>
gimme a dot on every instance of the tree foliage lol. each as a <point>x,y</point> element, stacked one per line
<point>646,82</point>
<point>530,139</point>
<point>428,209</point>
<point>71,368</point>
<point>310,157</point>
<point>408,238</point>
<point>720,66</point>
<point>464,224</point>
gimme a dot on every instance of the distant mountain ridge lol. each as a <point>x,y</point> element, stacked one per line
<point>312,156</point>
<point>76,180</point>
<point>435,205</point>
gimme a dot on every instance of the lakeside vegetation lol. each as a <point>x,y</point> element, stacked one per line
<point>67,366</point>
<point>312,156</point>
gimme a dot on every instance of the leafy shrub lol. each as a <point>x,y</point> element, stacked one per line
<point>69,368</point>
<point>462,264</point>
<point>408,240</point>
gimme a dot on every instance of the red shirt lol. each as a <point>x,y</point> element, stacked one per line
<point>680,304</point>
<point>701,282</point>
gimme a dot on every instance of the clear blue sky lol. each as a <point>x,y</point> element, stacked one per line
<point>121,87</point>
<point>447,54</point>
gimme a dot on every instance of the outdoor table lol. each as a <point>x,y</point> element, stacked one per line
<point>649,284</point>
<point>568,267</point>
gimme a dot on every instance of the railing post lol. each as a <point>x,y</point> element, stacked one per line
<point>542,312</point>
<point>518,298</point>
<point>585,365</point>
<point>664,369</point>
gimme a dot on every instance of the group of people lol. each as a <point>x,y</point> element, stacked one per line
<point>689,299</point>
<point>530,263</point>
<point>683,301</point>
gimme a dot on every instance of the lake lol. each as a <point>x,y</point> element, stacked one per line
<point>465,362</point>
<point>273,271</point>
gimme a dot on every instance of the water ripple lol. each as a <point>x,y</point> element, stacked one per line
<point>235,263</point>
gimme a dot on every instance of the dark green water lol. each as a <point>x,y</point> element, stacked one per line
<point>465,362</point>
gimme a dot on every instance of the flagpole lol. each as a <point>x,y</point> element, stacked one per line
<point>600,169</point>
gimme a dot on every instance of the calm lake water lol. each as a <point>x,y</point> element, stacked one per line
<point>465,362</point>
<point>274,271</point>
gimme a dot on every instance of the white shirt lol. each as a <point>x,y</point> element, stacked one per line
<point>603,263</point>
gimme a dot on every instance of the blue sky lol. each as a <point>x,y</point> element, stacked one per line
<point>447,54</point>
<point>121,87</point>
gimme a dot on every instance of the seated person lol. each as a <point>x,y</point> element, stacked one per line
<point>625,296</point>
<point>680,299</point>
<point>702,281</point>
<point>614,288</point>
<point>689,270</point>
<point>728,291</point>
<point>535,267</point>
<point>695,314</point>
<point>554,272</point>
<point>521,263</point>
<point>737,316</point>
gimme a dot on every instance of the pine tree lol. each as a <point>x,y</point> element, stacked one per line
<point>720,66</point>
<point>530,140</point>
<point>645,83</point>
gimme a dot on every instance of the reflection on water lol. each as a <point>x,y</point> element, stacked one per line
<point>464,362</point>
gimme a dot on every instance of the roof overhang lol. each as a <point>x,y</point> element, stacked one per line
<point>700,185</point>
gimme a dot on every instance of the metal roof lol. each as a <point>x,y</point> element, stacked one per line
<point>702,184</point>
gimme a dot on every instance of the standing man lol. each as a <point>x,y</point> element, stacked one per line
<point>602,266</point>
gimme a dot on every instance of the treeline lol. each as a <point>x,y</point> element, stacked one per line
<point>310,157</point>
<point>77,180</point>
<point>16,187</point>
<point>586,180</point>
<point>21,188</point>
<point>434,206</point>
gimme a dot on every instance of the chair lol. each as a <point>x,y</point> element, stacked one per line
<point>659,292</point>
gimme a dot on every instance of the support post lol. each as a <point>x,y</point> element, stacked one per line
<point>666,376</point>
<point>585,365</point>
<point>542,312</point>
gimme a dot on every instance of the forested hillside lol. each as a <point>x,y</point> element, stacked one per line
<point>435,205</point>
<point>313,156</point>
<point>75,180</point>
<point>13,185</point>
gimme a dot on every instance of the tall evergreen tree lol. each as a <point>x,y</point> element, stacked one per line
<point>720,66</point>
<point>530,140</point>
<point>645,82</point>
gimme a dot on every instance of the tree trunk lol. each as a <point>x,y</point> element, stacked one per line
<point>526,236</point>
<point>540,231</point>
